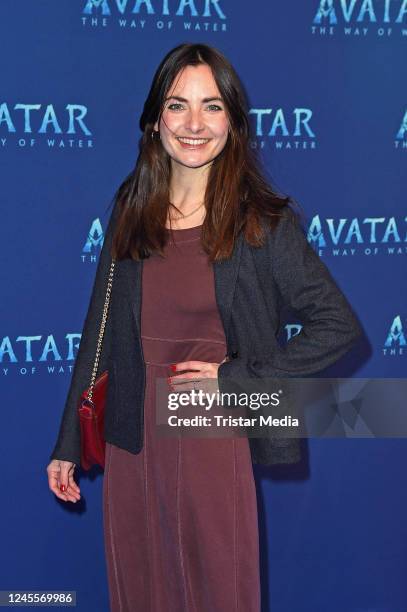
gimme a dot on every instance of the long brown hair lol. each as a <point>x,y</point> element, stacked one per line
<point>237,195</point>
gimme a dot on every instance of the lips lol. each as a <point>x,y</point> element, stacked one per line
<point>192,143</point>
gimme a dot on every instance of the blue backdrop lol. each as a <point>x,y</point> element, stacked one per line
<point>328,99</point>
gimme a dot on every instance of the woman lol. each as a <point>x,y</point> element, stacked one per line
<point>206,256</point>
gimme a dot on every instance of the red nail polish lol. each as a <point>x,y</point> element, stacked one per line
<point>174,367</point>
<point>63,488</point>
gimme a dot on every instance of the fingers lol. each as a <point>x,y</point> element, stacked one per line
<point>188,365</point>
<point>53,483</point>
<point>195,380</point>
<point>204,388</point>
<point>61,481</point>
<point>73,485</point>
<point>203,380</point>
<point>185,381</point>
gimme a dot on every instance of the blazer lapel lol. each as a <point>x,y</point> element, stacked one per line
<point>225,276</point>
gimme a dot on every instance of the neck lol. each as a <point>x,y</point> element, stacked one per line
<point>187,186</point>
<point>191,221</point>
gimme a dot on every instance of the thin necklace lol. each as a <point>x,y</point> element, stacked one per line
<point>185,216</point>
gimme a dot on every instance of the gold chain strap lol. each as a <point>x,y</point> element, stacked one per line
<point>102,330</point>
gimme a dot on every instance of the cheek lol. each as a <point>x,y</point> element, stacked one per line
<point>169,123</point>
<point>219,127</point>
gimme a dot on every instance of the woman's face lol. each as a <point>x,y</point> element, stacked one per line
<point>194,124</point>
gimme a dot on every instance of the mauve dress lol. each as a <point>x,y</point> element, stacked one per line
<point>180,517</point>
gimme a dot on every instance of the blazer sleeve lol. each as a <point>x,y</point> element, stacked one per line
<point>304,283</point>
<point>68,444</point>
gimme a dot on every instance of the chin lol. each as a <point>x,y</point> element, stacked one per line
<point>197,164</point>
<point>193,163</point>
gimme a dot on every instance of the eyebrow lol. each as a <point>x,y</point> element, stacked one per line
<point>180,99</point>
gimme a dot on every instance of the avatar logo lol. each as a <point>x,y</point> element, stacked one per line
<point>23,113</point>
<point>396,334</point>
<point>299,125</point>
<point>360,11</point>
<point>369,230</point>
<point>403,128</point>
<point>151,7</point>
<point>45,349</point>
<point>95,237</point>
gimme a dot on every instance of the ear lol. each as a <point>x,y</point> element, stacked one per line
<point>156,128</point>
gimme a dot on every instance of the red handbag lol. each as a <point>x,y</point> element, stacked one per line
<point>92,402</point>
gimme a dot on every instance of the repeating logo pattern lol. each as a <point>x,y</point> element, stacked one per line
<point>284,129</point>
<point>93,243</point>
<point>28,125</point>
<point>396,343</point>
<point>360,18</point>
<point>163,15</point>
<point>31,355</point>
<point>32,123</point>
<point>401,136</point>
<point>368,236</point>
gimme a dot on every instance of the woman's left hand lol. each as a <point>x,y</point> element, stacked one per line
<point>197,379</point>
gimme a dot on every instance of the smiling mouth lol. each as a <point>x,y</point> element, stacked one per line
<point>193,141</point>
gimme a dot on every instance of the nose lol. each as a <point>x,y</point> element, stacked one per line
<point>194,122</point>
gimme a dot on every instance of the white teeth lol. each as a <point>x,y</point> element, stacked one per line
<point>194,141</point>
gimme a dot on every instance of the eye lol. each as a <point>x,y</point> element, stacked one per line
<point>177,106</point>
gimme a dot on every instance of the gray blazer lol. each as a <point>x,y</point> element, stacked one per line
<point>252,288</point>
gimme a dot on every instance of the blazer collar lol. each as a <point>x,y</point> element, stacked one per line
<point>225,276</point>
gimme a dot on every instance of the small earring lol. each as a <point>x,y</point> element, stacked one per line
<point>153,133</point>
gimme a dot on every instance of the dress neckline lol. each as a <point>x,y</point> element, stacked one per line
<point>184,229</point>
<point>185,234</point>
